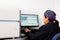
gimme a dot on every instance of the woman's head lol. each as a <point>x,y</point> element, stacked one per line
<point>49,16</point>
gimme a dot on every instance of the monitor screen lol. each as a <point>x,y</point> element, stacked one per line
<point>29,20</point>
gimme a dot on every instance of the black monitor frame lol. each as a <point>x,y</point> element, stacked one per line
<point>32,15</point>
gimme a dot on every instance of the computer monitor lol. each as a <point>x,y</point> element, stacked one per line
<point>29,20</point>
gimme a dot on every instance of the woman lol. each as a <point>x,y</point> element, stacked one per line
<point>46,31</point>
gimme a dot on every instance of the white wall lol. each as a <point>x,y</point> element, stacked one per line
<point>9,12</point>
<point>32,6</point>
<point>9,29</point>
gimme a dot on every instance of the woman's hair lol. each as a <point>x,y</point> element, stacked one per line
<point>51,17</point>
<point>56,22</point>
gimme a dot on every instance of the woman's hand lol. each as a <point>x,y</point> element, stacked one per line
<point>27,30</point>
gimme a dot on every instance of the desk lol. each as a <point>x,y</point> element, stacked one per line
<point>16,39</point>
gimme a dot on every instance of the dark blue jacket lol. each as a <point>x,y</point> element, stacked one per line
<point>45,32</point>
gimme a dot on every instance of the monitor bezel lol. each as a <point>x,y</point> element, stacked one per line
<point>32,15</point>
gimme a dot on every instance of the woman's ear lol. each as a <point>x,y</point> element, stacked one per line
<point>47,18</point>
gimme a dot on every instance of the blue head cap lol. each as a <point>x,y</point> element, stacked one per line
<point>50,14</point>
